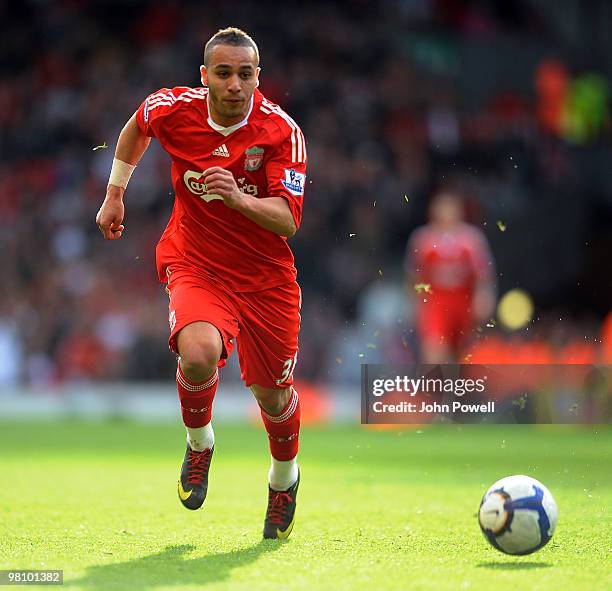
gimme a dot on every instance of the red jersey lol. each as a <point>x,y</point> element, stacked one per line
<point>265,152</point>
<point>452,262</point>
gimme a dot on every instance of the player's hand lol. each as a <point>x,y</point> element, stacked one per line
<point>220,181</point>
<point>483,304</point>
<point>110,216</point>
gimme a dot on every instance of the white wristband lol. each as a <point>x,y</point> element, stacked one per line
<point>120,173</point>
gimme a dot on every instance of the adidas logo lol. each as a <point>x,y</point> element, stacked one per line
<point>221,151</point>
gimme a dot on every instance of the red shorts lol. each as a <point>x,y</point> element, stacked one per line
<point>263,324</point>
<point>445,319</point>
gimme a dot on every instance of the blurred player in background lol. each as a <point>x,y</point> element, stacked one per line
<point>452,277</point>
<point>238,171</point>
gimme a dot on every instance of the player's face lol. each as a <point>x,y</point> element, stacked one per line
<point>446,210</point>
<point>231,76</point>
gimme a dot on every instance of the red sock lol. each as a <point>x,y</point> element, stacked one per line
<point>196,399</point>
<point>284,429</point>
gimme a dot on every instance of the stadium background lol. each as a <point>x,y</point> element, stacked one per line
<point>395,97</point>
<point>509,103</point>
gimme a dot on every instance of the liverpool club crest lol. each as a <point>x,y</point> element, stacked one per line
<point>253,158</point>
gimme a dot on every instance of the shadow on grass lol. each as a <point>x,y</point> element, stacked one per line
<point>169,568</point>
<point>514,565</point>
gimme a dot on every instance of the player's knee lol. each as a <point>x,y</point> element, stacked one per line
<point>199,357</point>
<point>273,401</point>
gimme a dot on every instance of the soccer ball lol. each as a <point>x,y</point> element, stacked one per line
<point>518,515</point>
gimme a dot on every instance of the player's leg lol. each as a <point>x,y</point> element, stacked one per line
<point>280,412</point>
<point>436,351</point>
<point>433,332</point>
<point>465,329</point>
<point>202,327</point>
<point>267,349</point>
<point>199,347</point>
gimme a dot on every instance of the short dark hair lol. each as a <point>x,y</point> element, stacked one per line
<point>230,36</point>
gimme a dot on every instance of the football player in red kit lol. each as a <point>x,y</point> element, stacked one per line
<point>238,171</point>
<point>452,262</point>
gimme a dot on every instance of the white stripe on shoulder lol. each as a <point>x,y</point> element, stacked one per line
<point>301,148</point>
<point>161,97</point>
<point>276,110</point>
<point>194,92</point>
<point>168,98</point>
<point>160,100</point>
<point>161,94</point>
<point>298,145</point>
<point>189,96</point>
<point>280,111</point>
<point>160,104</point>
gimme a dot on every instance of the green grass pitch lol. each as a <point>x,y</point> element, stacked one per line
<point>376,510</point>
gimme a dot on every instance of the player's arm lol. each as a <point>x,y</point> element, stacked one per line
<point>485,291</point>
<point>271,213</point>
<point>131,146</point>
<point>413,266</point>
<point>485,296</point>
